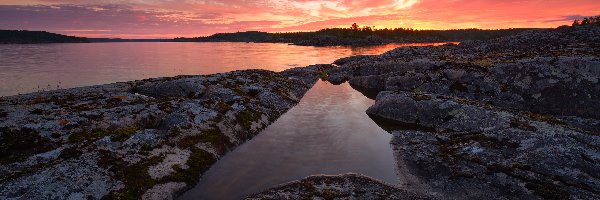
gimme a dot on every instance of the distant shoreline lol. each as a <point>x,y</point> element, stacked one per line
<point>325,37</point>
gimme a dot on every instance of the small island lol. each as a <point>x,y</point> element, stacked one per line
<point>36,37</point>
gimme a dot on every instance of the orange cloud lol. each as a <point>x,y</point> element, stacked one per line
<point>167,18</point>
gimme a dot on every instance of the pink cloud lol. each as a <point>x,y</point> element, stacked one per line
<point>167,18</point>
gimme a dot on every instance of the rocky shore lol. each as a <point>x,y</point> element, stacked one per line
<point>510,118</point>
<point>149,139</point>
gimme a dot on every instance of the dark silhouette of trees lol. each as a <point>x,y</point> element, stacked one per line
<point>355,33</point>
<point>31,37</point>
<point>588,21</point>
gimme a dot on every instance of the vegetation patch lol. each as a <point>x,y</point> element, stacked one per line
<point>323,75</point>
<point>84,135</point>
<point>137,180</point>
<point>248,116</point>
<point>123,134</point>
<point>135,177</point>
<point>213,136</point>
<point>198,163</point>
<point>17,145</point>
<point>283,93</point>
<point>235,87</point>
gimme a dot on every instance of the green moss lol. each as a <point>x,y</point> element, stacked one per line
<point>235,87</point>
<point>323,75</point>
<point>135,177</point>
<point>85,136</point>
<point>123,134</point>
<point>283,93</point>
<point>198,163</point>
<point>213,136</point>
<point>17,145</point>
<point>246,117</point>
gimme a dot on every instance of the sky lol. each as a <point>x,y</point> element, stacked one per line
<point>189,18</point>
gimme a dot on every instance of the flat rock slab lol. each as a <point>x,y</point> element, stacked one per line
<point>151,138</point>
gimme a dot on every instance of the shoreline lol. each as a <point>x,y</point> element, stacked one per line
<point>148,139</point>
<point>504,118</point>
<point>516,121</point>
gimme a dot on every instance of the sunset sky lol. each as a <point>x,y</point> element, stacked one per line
<point>171,18</point>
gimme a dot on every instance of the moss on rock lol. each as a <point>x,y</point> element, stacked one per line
<point>248,116</point>
<point>17,145</point>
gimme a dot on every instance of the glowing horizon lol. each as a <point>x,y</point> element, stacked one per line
<point>191,18</point>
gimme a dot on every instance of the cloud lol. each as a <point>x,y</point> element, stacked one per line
<point>165,18</point>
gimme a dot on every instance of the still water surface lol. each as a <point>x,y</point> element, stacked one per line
<point>28,68</point>
<point>328,132</point>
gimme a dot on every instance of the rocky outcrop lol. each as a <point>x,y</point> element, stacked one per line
<point>464,150</point>
<point>510,118</point>
<point>536,75</point>
<point>347,186</point>
<point>150,138</point>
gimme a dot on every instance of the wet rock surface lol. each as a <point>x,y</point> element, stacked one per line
<point>347,186</point>
<point>148,139</point>
<point>509,118</point>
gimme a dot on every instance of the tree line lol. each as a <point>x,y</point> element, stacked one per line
<point>356,32</point>
<point>32,37</point>
<point>587,21</point>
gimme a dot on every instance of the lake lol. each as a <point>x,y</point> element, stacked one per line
<point>28,68</point>
<point>328,132</point>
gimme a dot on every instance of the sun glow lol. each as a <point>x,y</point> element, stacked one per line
<point>164,18</point>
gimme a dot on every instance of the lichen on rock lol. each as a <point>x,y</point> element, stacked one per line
<point>141,139</point>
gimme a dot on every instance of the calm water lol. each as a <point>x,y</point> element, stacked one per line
<point>328,132</point>
<point>30,68</point>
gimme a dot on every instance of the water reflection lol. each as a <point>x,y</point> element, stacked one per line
<point>29,68</point>
<point>327,133</point>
